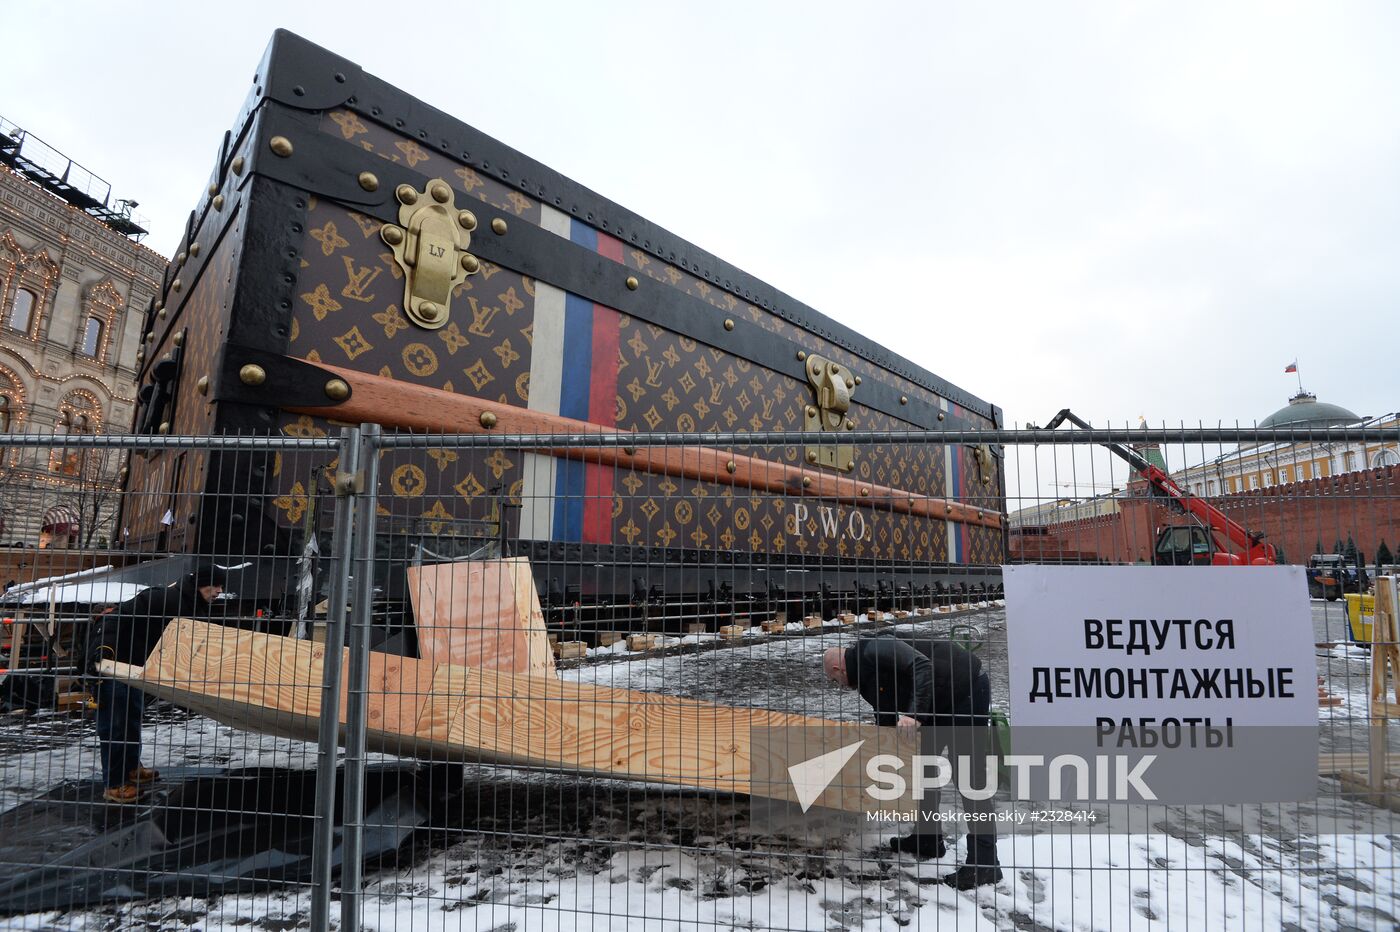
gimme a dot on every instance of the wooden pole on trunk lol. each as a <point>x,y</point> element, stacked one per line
<point>392,403</point>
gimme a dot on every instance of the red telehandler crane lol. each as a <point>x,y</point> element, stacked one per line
<point>1201,543</point>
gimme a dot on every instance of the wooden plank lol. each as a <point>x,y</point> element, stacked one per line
<point>620,732</point>
<point>268,684</point>
<point>1377,794</point>
<point>571,649</point>
<point>122,671</point>
<point>261,682</point>
<point>76,699</point>
<point>480,613</point>
<point>1330,763</point>
<point>1385,632</point>
<point>398,688</point>
<point>1385,662</point>
<point>395,403</point>
<point>18,632</point>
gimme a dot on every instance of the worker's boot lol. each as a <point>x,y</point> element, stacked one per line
<point>921,846</point>
<point>973,875</point>
<point>140,776</point>
<point>122,795</point>
<point>980,866</point>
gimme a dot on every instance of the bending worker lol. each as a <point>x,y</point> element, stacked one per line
<point>931,682</point>
<point>128,635</point>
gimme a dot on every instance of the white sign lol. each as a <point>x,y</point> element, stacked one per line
<point>1208,674</point>
<point>1156,641</point>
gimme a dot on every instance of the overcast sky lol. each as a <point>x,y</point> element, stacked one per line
<point>1127,208</point>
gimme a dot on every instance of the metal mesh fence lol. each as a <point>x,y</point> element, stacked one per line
<point>575,671</point>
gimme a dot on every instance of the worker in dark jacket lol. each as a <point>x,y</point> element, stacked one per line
<point>931,682</point>
<point>128,635</point>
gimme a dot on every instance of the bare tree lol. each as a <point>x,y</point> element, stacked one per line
<point>96,495</point>
<point>57,484</point>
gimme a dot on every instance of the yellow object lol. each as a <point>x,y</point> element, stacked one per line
<point>1361,613</point>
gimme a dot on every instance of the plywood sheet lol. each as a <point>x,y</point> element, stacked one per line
<point>483,614</point>
<point>264,683</point>
<point>268,684</point>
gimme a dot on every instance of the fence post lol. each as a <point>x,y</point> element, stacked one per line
<point>342,539</point>
<point>356,710</point>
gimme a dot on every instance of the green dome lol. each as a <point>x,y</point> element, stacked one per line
<point>1304,410</point>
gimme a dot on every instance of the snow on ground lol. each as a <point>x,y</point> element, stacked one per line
<point>172,740</point>
<point>538,851</point>
<point>623,866</point>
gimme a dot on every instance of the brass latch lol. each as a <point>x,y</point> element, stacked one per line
<point>832,385</point>
<point>430,246</point>
<point>982,454</point>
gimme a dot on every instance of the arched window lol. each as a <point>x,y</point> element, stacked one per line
<point>92,337</point>
<point>77,414</point>
<point>101,307</point>
<point>30,280</point>
<point>1385,458</point>
<point>21,315</point>
<point>7,418</point>
<point>11,411</point>
<point>64,461</point>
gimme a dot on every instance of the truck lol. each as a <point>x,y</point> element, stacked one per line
<point>1330,576</point>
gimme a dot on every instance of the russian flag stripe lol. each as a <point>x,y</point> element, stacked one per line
<point>540,473</point>
<point>573,372</point>
<point>951,486</point>
<point>573,403</point>
<point>602,405</point>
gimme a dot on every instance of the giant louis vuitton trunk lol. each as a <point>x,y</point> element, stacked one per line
<point>353,241</point>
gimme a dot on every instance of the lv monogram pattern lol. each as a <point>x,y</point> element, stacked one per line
<point>348,312</point>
